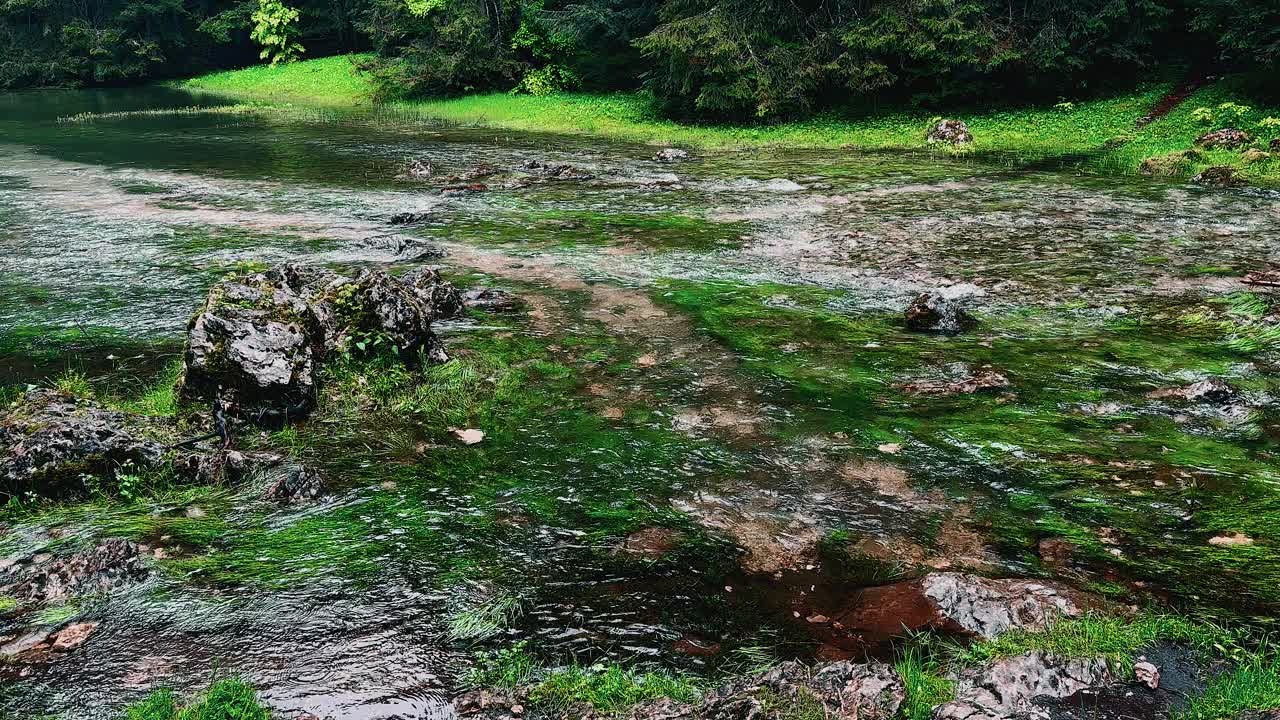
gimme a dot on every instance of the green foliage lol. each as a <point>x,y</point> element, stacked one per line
<point>275,28</point>
<point>922,678</point>
<point>1251,684</point>
<point>228,699</point>
<point>506,668</point>
<point>607,688</point>
<point>73,383</point>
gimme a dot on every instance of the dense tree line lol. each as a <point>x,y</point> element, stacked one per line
<point>712,59</point>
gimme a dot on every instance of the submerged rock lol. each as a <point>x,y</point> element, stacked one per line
<point>984,379</point>
<point>296,483</point>
<point>491,299</point>
<point>1219,176</point>
<point>1007,687</point>
<point>548,171</point>
<point>1229,138</point>
<point>101,569</point>
<point>960,603</point>
<point>671,155</point>
<point>260,340</point>
<point>953,132</point>
<point>409,218</point>
<point>931,312</point>
<point>1211,391</point>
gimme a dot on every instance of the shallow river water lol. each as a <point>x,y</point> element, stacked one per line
<point>716,347</point>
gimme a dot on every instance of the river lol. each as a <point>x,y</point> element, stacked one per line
<point>716,347</point>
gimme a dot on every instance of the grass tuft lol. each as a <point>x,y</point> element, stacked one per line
<point>228,699</point>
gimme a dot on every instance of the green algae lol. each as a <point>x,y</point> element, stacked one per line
<point>520,223</point>
<point>1074,447</point>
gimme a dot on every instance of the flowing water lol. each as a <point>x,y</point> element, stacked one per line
<point>722,353</point>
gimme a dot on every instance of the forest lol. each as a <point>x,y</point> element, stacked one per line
<point>739,60</point>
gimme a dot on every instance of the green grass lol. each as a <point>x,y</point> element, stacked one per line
<point>923,681</point>
<point>229,699</point>
<point>1178,131</point>
<point>1253,684</point>
<point>608,687</point>
<point>1114,638</point>
<point>323,81</point>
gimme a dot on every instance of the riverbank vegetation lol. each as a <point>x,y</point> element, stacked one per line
<point>1099,135</point>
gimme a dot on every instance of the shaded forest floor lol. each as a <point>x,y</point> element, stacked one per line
<point>1102,135</point>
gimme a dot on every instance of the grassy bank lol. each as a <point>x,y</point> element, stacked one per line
<point>1104,129</point>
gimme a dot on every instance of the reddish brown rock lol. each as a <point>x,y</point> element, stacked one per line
<point>959,603</point>
<point>72,636</point>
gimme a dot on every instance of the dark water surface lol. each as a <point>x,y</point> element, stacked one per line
<point>766,285</point>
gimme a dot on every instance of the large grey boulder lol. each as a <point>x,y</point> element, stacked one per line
<point>260,340</point>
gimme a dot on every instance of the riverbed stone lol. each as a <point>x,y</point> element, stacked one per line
<point>491,299</point>
<point>950,131</point>
<point>671,155</point>
<point>1005,689</point>
<point>932,312</point>
<point>960,603</point>
<point>1229,138</point>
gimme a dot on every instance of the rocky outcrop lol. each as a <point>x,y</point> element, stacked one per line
<point>1219,176</point>
<point>1175,163</point>
<point>1229,138</point>
<point>1005,689</point>
<point>260,340</point>
<point>931,312</point>
<point>961,604</point>
<point>56,445</point>
<point>951,132</point>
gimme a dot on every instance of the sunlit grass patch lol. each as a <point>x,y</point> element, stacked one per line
<point>228,699</point>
